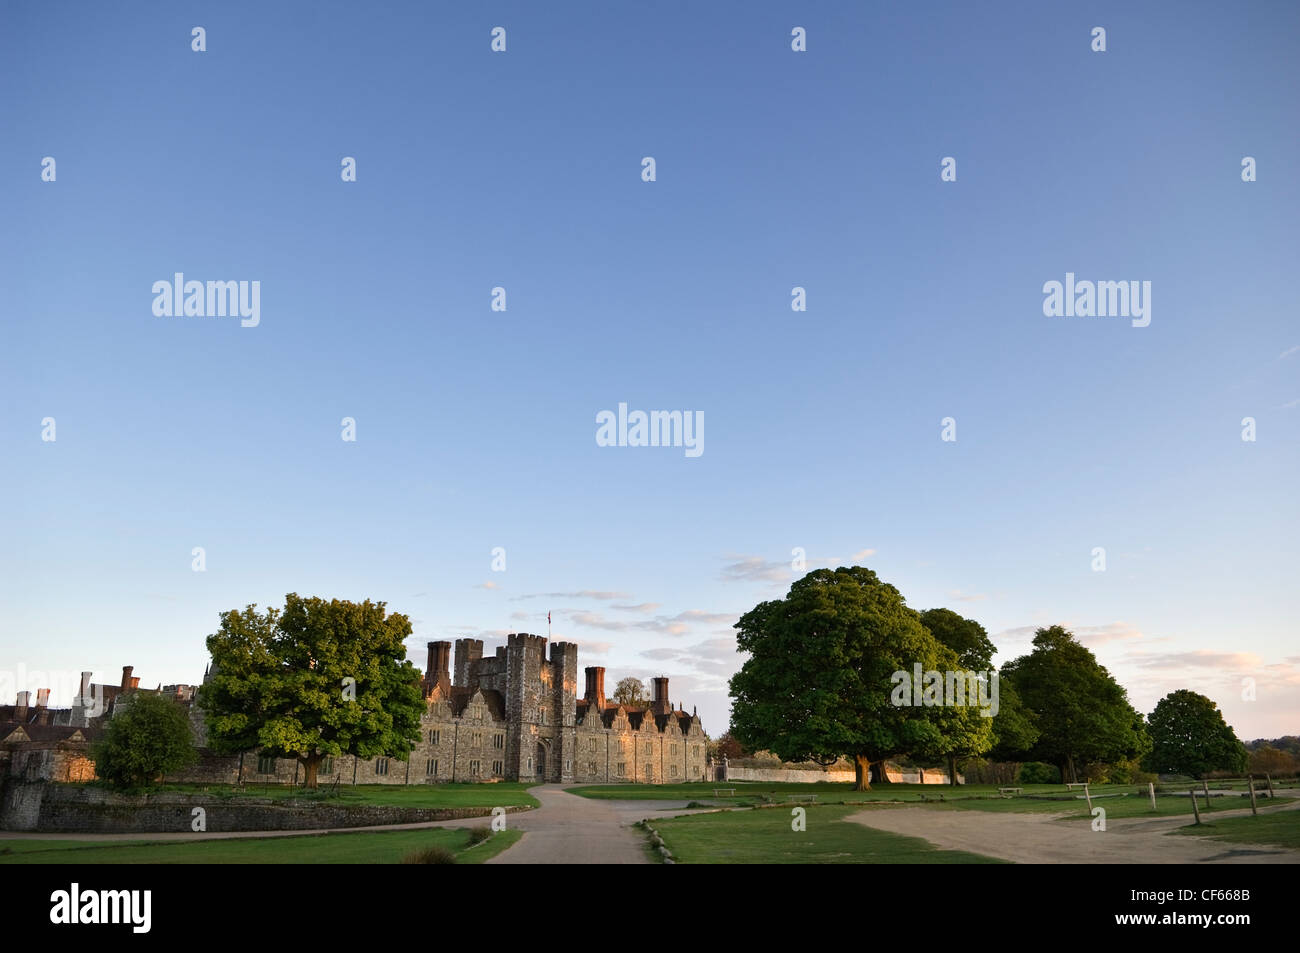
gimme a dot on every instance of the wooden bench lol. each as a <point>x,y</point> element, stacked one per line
<point>803,798</point>
<point>1007,792</point>
<point>724,792</point>
<point>1071,785</point>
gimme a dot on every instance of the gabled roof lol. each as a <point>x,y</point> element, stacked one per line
<point>461,697</point>
<point>13,733</point>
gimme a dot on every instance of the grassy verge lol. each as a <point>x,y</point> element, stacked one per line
<point>504,794</point>
<point>766,837</point>
<point>1277,829</point>
<point>379,847</point>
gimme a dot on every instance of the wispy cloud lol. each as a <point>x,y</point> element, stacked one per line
<point>966,597</point>
<point>759,569</point>
<point>487,585</point>
<point>1288,352</point>
<point>582,594</point>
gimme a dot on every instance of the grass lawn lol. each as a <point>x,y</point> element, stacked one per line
<point>378,847</point>
<point>765,837</point>
<point>504,794</point>
<point>1279,829</point>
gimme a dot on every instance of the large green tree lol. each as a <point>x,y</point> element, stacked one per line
<point>1189,736</point>
<point>317,679</point>
<point>148,735</point>
<point>970,734</point>
<point>1081,713</point>
<point>819,680</point>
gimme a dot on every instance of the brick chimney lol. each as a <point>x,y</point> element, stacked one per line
<point>437,671</point>
<point>24,702</point>
<point>126,676</point>
<point>135,682</point>
<point>596,687</point>
<point>42,698</point>
<point>661,704</point>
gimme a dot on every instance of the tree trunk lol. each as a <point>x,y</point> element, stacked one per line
<point>309,766</point>
<point>952,770</point>
<point>878,772</point>
<point>861,773</point>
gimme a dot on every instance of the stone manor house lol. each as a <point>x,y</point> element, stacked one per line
<point>515,716</point>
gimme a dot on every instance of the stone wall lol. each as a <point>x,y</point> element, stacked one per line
<point>79,809</point>
<point>812,776</point>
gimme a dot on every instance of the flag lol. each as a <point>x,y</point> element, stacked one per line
<point>548,618</point>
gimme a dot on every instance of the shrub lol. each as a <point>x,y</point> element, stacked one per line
<point>1129,772</point>
<point>478,835</point>
<point>430,855</point>
<point>1036,772</point>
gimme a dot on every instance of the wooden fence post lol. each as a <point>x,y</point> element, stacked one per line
<point>1088,796</point>
<point>1151,789</point>
<point>1192,793</point>
<point>1205,785</point>
<point>1269,779</point>
<point>1250,779</point>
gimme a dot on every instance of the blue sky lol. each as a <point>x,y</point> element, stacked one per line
<point>775,169</point>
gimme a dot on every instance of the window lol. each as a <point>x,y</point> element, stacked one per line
<point>622,769</point>
<point>530,764</point>
<point>695,751</point>
<point>326,766</point>
<point>591,744</point>
<point>497,768</point>
<point>672,749</point>
<point>381,766</point>
<point>431,767</point>
<point>474,768</point>
<point>498,741</point>
<point>591,767</point>
<point>435,737</point>
<point>265,764</point>
<point>478,739</point>
<point>648,747</point>
<point>649,771</point>
<point>541,716</point>
<point>673,772</point>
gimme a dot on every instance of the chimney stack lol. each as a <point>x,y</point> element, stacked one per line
<point>126,676</point>
<point>135,682</point>
<point>84,697</point>
<point>661,703</point>
<point>24,702</point>
<point>596,687</point>
<point>437,671</point>
<point>42,698</point>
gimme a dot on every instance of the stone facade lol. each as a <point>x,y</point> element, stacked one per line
<point>513,716</point>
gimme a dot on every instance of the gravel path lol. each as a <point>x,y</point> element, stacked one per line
<point>1041,839</point>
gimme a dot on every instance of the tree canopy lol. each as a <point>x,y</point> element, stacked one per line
<point>149,735</point>
<point>1189,736</point>
<point>630,691</point>
<point>819,679</point>
<point>1081,713</point>
<point>317,679</point>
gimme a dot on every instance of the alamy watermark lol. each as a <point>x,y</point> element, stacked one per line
<point>213,299</point>
<point>1100,299</point>
<point>949,689</point>
<point>658,428</point>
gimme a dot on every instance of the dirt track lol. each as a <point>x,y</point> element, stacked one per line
<point>1041,839</point>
